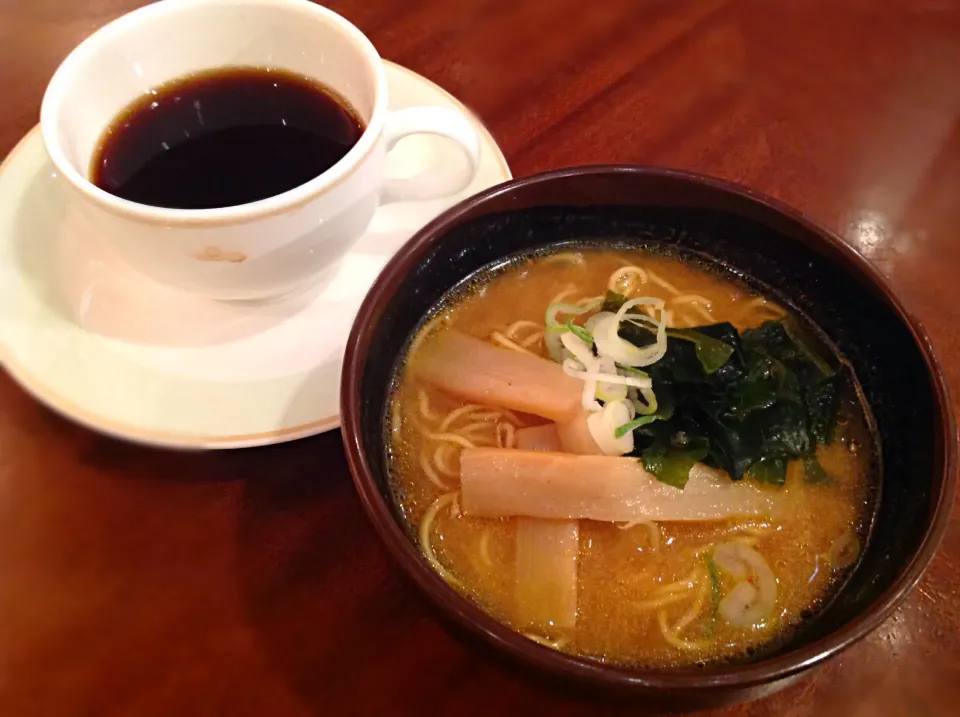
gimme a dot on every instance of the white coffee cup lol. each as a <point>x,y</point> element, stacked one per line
<point>251,251</point>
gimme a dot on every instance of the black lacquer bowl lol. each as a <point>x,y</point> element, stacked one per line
<point>807,266</point>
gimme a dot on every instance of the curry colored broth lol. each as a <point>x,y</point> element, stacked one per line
<point>621,570</point>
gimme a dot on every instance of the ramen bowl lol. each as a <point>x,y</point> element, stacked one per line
<point>809,268</point>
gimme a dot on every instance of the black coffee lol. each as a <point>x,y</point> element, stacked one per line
<point>224,137</point>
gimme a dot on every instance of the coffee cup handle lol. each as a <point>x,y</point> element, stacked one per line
<point>442,121</point>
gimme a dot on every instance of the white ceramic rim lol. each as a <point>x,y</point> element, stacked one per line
<point>51,108</point>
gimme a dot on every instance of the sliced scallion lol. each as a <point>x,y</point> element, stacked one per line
<point>631,425</point>
<point>580,332</point>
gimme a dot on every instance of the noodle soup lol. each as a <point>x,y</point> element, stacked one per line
<point>631,456</point>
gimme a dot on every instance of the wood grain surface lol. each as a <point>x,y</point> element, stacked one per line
<point>148,583</point>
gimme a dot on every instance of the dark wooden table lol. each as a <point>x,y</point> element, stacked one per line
<point>140,582</point>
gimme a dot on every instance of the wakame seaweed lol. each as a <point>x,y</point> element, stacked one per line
<point>746,402</point>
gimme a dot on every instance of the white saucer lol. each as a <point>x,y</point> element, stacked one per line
<point>110,349</point>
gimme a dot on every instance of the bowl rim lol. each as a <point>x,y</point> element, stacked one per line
<point>499,635</point>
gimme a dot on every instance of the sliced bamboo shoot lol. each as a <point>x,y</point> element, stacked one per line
<point>575,436</point>
<point>547,556</point>
<point>499,482</point>
<point>476,371</point>
<point>538,438</point>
